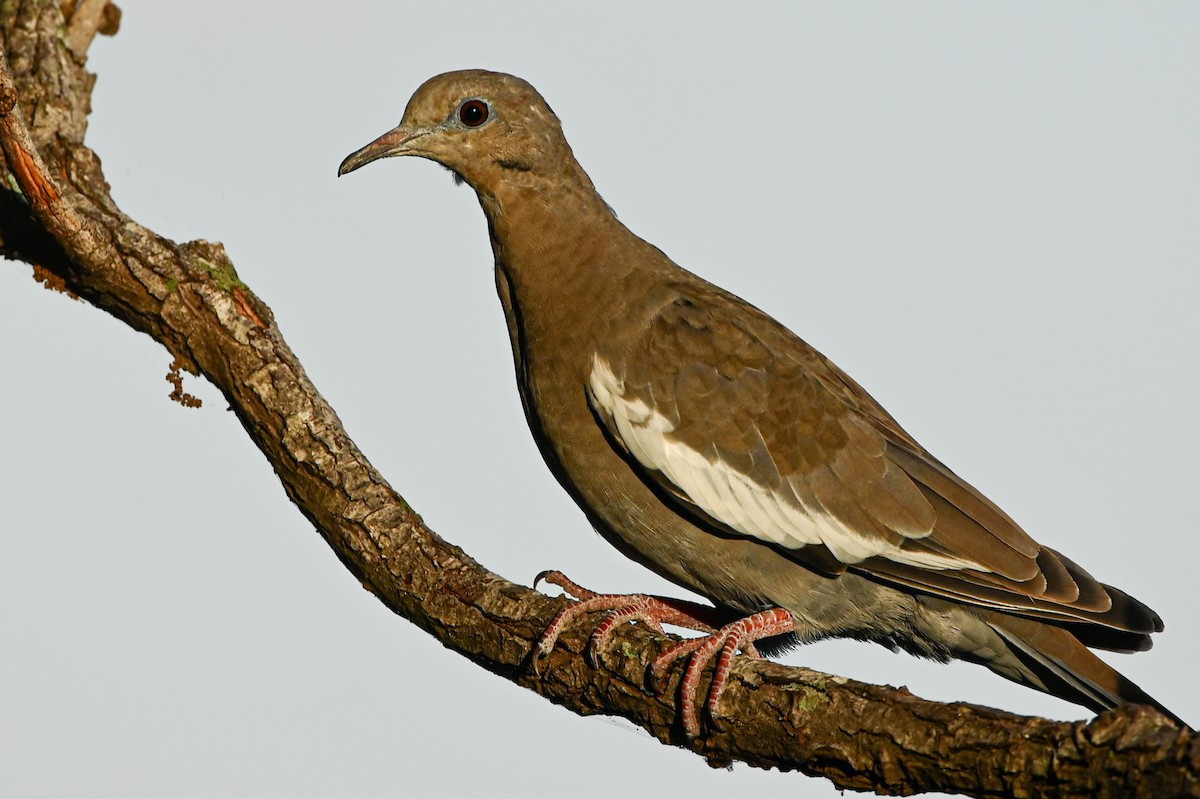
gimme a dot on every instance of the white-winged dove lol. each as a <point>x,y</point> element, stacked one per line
<point>706,441</point>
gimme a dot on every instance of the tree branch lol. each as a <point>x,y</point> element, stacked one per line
<point>56,213</point>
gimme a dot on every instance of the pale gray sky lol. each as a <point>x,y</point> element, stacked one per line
<point>986,213</point>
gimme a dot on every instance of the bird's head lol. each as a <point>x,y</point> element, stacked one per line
<point>484,126</point>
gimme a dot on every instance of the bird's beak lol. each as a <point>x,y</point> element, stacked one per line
<point>394,142</point>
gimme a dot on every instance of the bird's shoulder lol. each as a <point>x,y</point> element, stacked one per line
<point>702,346</point>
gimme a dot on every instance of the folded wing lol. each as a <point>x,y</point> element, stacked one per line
<point>760,436</point>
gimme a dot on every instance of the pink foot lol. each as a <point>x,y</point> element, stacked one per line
<point>726,641</point>
<point>654,611</point>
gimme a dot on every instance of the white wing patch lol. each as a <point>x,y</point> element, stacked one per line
<point>735,498</point>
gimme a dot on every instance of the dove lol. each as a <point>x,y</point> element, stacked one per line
<point>709,443</point>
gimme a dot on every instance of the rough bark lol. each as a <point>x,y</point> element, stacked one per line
<point>56,214</point>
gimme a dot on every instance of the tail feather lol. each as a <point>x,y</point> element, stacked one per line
<point>1059,664</point>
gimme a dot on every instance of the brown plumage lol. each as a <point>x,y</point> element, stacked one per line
<point>708,442</point>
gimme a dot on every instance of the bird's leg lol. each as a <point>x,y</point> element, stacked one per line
<point>719,639</point>
<point>653,611</point>
<point>725,641</point>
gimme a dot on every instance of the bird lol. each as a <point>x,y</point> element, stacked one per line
<point>709,443</point>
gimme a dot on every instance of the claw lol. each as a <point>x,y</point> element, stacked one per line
<point>569,586</point>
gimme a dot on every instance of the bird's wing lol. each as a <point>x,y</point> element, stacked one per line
<point>750,429</point>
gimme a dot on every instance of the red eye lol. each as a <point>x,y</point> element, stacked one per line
<point>473,113</point>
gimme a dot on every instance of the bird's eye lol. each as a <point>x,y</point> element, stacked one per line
<point>473,113</point>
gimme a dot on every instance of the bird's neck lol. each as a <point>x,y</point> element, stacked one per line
<point>552,235</point>
<point>566,271</point>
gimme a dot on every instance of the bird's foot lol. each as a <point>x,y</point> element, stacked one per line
<point>719,639</point>
<point>652,611</point>
<point>723,644</point>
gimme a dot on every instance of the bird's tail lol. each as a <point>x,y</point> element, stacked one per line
<point>1056,662</point>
